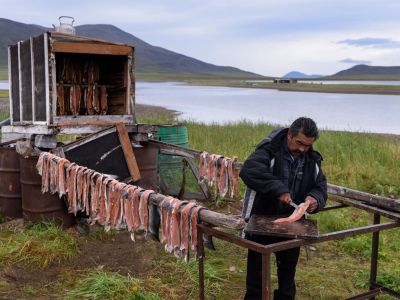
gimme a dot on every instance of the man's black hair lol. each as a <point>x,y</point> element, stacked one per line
<point>306,126</point>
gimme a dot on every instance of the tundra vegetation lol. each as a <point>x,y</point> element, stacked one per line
<point>43,261</point>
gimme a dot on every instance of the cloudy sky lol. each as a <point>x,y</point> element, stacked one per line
<point>263,36</point>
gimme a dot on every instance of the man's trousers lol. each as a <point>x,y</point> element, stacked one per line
<point>286,270</point>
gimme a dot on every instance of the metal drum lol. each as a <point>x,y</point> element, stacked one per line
<point>146,158</point>
<point>10,188</point>
<point>36,206</point>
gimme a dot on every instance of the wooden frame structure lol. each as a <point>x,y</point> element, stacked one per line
<point>34,69</point>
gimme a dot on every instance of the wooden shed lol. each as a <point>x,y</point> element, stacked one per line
<point>57,78</point>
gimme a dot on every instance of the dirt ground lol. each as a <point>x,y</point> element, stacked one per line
<point>109,252</point>
<point>115,253</point>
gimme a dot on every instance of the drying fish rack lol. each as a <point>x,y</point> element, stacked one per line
<point>346,198</point>
<point>39,65</point>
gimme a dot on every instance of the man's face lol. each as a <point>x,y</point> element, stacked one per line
<point>299,144</point>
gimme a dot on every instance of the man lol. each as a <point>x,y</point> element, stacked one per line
<point>283,168</point>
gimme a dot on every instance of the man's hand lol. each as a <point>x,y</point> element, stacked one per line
<point>285,198</point>
<point>313,203</point>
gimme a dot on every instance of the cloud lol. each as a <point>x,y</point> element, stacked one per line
<point>355,61</point>
<point>371,42</point>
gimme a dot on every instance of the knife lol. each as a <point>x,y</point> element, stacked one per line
<point>291,203</point>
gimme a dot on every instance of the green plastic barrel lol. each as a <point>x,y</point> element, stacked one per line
<point>169,166</point>
<point>173,134</point>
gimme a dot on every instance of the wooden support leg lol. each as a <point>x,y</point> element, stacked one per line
<point>183,184</point>
<point>195,171</point>
<point>374,254</point>
<point>201,262</point>
<point>266,276</point>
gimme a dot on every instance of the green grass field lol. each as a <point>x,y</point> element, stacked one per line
<point>3,74</point>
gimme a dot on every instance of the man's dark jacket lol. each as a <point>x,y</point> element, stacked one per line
<point>265,183</point>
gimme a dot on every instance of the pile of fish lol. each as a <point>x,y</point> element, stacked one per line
<point>220,171</point>
<point>117,205</point>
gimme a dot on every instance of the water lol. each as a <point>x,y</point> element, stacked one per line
<point>4,85</point>
<point>351,112</point>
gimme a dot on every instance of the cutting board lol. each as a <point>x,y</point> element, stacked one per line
<point>264,225</point>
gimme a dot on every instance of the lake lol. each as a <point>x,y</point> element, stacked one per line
<point>350,112</point>
<point>4,85</point>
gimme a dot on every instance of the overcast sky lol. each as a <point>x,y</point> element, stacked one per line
<point>263,36</point>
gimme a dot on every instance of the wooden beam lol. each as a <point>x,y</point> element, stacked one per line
<point>128,151</point>
<point>375,200</point>
<point>47,79</point>
<point>208,216</point>
<point>10,85</point>
<point>91,48</point>
<point>82,123</point>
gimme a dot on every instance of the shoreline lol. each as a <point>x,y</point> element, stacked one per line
<point>145,109</point>
<point>306,87</point>
<point>291,87</point>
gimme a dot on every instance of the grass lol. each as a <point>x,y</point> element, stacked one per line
<point>41,245</point>
<point>335,270</point>
<point>362,161</point>
<point>154,114</point>
<point>4,104</point>
<point>3,74</point>
<point>99,284</point>
<point>220,282</point>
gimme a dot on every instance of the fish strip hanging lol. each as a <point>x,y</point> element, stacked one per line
<point>114,204</point>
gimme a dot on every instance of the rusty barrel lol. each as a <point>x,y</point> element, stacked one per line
<point>10,188</point>
<point>146,158</point>
<point>36,206</point>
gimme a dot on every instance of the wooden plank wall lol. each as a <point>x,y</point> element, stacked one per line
<point>15,83</point>
<point>40,78</point>
<point>26,80</point>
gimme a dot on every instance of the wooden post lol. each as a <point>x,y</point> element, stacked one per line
<point>128,151</point>
<point>266,276</point>
<point>201,261</point>
<point>374,254</point>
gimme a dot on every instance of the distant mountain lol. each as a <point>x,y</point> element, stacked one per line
<point>365,72</point>
<point>150,59</point>
<point>295,74</point>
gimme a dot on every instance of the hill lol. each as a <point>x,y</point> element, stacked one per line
<point>296,74</point>
<point>149,58</point>
<point>365,72</point>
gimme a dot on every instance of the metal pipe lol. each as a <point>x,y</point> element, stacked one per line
<point>367,295</point>
<point>331,236</point>
<point>5,122</point>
